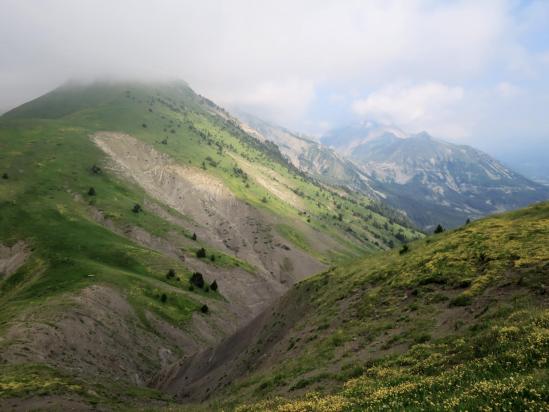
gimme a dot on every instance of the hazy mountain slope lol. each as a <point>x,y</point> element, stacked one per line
<point>87,306</point>
<point>460,322</point>
<point>431,180</point>
<point>319,161</point>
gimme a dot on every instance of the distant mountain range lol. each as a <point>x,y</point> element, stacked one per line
<point>310,156</point>
<point>429,180</point>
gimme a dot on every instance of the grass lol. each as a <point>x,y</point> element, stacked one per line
<point>460,322</point>
<point>45,200</point>
<point>46,151</point>
<point>294,236</point>
<point>38,380</point>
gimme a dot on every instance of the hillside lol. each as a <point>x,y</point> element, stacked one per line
<point>457,321</point>
<point>431,180</point>
<point>113,197</point>
<point>308,155</point>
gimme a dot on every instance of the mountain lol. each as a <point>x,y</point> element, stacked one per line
<point>322,163</point>
<point>431,180</point>
<point>139,224</point>
<point>456,321</point>
<point>310,156</point>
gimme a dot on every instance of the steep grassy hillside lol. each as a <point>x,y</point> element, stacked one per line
<point>111,197</point>
<point>457,321</point>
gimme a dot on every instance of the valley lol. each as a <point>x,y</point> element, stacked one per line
<point>123,205</point>
<point>290,206</point>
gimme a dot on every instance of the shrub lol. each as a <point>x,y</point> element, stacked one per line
<point>404,249</point>
<point>213,286</point>
<point>434,278</point>
<point>5,176</point>
<point>204,308</point>
<point>422,338</point>
<point>91,192</point>
<point>264,199</point>
<point>96,169</point>
<point>201,253</point>
<point>461,300</point>
<point>170,274</point>
<point>439,229</point>
<point>206,288</point>
<point>136,208</point>
<point>191,288</point>
<point>465,283</point>
<point>144,125</point>
<point>163,298</point>
<point>197,280</point>
<point>193,237</point>
<point>212,258</point>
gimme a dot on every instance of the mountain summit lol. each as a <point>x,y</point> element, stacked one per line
<point>433,181</point>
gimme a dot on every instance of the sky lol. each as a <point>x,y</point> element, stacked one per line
<point>473,72</point>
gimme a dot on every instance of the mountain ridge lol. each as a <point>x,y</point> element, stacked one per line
<point>431,181</point>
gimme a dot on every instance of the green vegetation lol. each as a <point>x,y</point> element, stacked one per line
<point>460,322</point>
<point>294,236</point>
<point>23,381</point>
<point>83,223</point>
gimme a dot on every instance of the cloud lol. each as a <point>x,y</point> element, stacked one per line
<point>222,47</point>
<point>283,101</point>
<point>428,63</point>
<point>508,90</point>
<point>419,107</point>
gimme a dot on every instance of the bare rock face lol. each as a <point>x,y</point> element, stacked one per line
<point>431,180</point>
<point>12,258</point>
<point>222,220</point>
<point>85,335</point>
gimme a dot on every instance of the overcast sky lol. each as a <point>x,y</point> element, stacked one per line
<point>467,71</point>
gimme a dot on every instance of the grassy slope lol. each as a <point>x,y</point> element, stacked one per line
<point>45,149</point>
<point>196,134</point>
<point>461,321</point>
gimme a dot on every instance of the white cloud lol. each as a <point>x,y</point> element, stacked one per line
<point>419,107</point>
<point>432,65</point>
<point>224,47</point>
<point>506,89</point>
<point>282,101</point>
